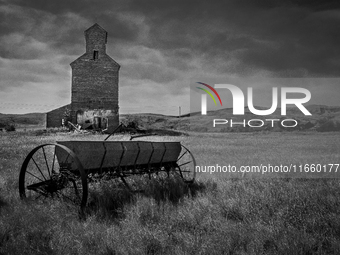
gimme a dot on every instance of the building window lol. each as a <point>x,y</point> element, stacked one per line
<point>95,54</point>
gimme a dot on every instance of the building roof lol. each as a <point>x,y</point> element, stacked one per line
<point>95,26</point>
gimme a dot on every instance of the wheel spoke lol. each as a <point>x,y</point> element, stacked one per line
<point>48,168</point>
<point>39,169</point>
<point>182,155</point>
<point>180,173</point>
<point>185,163</point>
<point>35,176</point>
<point>53,161</point>
<point>67,158</point>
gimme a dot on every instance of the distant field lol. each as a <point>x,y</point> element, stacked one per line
<point>266,148</point>
<point>221,215</point>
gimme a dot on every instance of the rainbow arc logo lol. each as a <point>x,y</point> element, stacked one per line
<point>204,96</point>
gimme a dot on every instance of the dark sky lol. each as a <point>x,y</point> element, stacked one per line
<point>163,45</point>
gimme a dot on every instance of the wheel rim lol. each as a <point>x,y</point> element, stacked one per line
<point>53,171</point>
<point>186,165</point>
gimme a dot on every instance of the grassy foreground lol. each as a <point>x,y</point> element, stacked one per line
<point>218,215</point>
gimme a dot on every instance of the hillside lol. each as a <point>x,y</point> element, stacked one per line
<point>324,118</point>
<point>22,120</point>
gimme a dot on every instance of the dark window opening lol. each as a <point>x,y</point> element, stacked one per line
<point>95,54</point>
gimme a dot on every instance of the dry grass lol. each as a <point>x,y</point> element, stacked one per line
<point>218,215</point>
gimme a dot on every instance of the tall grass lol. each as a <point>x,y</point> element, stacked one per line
<point>217,215</point>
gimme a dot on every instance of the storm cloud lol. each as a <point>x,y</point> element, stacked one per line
<point>161,45</point>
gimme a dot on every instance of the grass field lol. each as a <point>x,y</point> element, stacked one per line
<point>220,214</point>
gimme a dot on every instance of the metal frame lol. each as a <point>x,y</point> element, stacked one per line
<point>119,170</point>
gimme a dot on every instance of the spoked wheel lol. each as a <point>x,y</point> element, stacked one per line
<point>185,165</point>
<point>53,171</point>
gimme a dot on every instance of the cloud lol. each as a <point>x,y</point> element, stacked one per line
<point>152,97</point>
<point>161,46</point>
<point>295,35</point>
